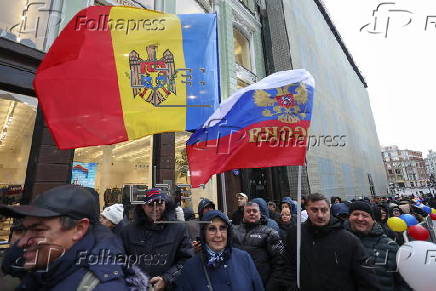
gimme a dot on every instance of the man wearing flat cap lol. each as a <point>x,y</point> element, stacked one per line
<point>380,249</point>
<point>159,245</point>
<point>60,233</point>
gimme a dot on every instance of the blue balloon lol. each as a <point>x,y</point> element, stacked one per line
<point>409,219</point>
<point>426,209</point>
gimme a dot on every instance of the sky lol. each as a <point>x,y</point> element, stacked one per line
<point>396,53</point>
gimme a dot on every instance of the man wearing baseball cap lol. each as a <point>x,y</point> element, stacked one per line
<point>380,249</point>
<point>60,231</point>
<point>160,245</point>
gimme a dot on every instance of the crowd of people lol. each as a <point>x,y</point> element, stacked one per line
<point>61,241</point>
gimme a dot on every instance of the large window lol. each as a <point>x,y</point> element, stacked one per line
<point>149,4</point>
<point>17,120</point>
<point>183,176</point>
<point>188,7</point>
<point>109,168</point>
<point>242,49</point>
<point>28,21</point>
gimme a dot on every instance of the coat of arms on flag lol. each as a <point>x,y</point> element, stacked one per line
<point>154,79</point>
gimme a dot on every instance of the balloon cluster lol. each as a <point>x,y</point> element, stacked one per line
<point>410,223</point>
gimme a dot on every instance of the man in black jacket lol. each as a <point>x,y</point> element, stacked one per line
<point>263,244</point>
<point>159,249</point>
<point>238,215</point>
<point>380,249</point>
<point>331,257</point>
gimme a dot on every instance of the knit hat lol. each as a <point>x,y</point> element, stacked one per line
<point>362,206</point>
<point>114,213</point>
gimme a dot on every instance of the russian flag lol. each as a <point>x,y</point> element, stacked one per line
<point>263,125</point>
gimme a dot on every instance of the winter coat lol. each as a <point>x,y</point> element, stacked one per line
<point>117,228</point>
<point>263,207</point>
<point>266,249</point>
<point>284,229</point>
<point>161,249</point>
<point>238,216</point>
<point>331,259</point>
<point>236,272</point>
<point>67,271</point>
<point>381,254</point>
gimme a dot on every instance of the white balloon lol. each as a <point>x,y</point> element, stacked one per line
<point>416,261</point>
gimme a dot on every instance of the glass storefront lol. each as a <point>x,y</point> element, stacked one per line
<point>192,196</point>
<point>17,120</point>
<point>108,168</point>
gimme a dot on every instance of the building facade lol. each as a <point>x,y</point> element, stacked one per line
<point>404,168</point>
<point>430,166</point>
<point>256,38</point>
<point>344,151</point>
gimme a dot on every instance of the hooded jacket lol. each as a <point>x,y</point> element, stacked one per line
<point>291,203</point>
<point>202,204</point>
<point>263,207</point>
<point>236,272</point>
<point>193,226</point>
<point>381,254</point>
<point>332,259</point>
<point>160,249</point>
<point>266,249</point>
<point>67,272</point>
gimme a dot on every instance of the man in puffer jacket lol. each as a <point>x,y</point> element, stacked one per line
<point>263,206</point>
<point>159,249</point>
<point>380,249</point>
<point>263,244</point>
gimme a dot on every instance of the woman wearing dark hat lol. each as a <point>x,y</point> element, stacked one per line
<point>219,267</point>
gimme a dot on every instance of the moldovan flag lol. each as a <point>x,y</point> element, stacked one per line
<point>120,73</point>
<point>263,125</point>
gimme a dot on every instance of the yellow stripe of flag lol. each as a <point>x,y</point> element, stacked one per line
<point>150,34</point>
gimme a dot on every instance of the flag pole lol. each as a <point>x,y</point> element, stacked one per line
<point>298,225</point>
<point>223,193</point>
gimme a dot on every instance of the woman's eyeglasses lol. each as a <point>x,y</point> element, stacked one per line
<point>213,229</point>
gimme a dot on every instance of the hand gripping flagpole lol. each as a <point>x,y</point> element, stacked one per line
<point>298,225</point>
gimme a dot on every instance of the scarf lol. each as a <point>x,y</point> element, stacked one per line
<point>214,259</point>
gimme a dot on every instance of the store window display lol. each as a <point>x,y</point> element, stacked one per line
<point>109,168</point>
<point>191,196</point>
<point>17,120</point>
<point>242,49</point>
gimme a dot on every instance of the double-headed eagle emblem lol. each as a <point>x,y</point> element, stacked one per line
<point>287,104</point>
<point>152,79</point>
